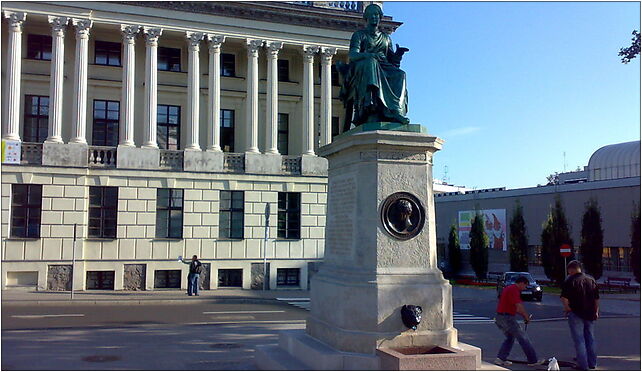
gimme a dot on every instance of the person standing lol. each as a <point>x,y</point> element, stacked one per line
<point>581,298</point>
<point>195,269</point>
<point>510,304</point>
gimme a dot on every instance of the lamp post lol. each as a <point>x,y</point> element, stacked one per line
<point>265,243</point>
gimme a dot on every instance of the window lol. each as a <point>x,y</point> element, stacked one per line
<point>26,204</point>
<point>168,127</point>
<point>283,69</point>
<point>100,279</point>
<point>287,277</point>
<point>169,213</point>
<point>228,65</point>
<point>106,118</point>
<point>39,47</point>
<point>282,134</point>
<point>227,130</point>
<point>335,126</point>
<point>107,53</point>
<point>36,118</point>
<point>231,219</point>
<point>334,74</point>
<point>169,59</point>
<point>167,278</point>
<point>230,277</point>
<point>289,224</point>
<point>103,212</point>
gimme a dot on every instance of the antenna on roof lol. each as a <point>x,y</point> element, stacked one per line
<point>564,160</point>
<point>446,179</point>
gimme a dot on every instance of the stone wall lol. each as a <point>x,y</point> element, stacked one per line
<point>134,277</point>
<point>204,278</point>
<point>257,276</point>
<point>59,278</point>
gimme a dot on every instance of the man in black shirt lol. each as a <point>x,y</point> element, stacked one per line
<point>580,297</point>
<point>195,269</point>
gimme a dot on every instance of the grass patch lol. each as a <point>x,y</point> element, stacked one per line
<point>552,290</point>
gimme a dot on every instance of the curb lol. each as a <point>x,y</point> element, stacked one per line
<point>8,303</point>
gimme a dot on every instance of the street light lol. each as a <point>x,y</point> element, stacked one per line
<point>265,243</point>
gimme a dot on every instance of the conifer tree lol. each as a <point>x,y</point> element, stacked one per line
<point>518,241</point>
<point>454,250</point>
<point>556,232</point>
<point>592,243</point>
<point>479,247</point>
<point>635,243</point>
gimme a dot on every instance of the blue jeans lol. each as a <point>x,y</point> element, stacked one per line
<point>512,330</point>
<point>582,334</point>
<point>192,283</point>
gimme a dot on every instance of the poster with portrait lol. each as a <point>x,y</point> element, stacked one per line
<point>494,225</point>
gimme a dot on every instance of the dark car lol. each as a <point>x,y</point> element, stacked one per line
<point>533,290</point>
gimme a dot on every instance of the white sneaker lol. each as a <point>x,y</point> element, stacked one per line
<point>539,362</point>
<point>501,362</point>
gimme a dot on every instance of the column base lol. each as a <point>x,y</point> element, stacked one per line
<point>65,154</point>
<point>262,163</point>
<point>312,165</point>
<point>137,158</point>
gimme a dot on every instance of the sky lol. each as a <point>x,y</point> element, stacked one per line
<point>519,90</point>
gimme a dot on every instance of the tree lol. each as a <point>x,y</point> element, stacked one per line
<point>555,233</point>
<point>592,243</point>
<point>454,250</point>
<point>518,240</point>
<point>631,52</point>
<point>553,179</point>
<point>635,242</point>
<point>479,246</point>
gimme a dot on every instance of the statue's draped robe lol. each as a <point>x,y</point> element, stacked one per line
<point>375,79</point>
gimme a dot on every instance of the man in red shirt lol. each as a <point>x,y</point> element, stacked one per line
<point>510,304</point>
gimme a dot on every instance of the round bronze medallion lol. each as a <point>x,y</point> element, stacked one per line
<point>402,215</point>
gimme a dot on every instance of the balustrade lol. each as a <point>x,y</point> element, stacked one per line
<point>102,157</point>
<point>291,164</point>
<point>30,153</point>
<point>171,159</point>
<point>234,162</point>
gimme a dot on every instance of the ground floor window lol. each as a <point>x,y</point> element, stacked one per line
<point>100,280</point>
<point>288,277</point>
<point>230,277</point>
<point>616,259</point>
<point>167,279</point>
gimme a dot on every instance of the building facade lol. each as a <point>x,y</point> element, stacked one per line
<point>612,178</point>
<point>137,132</point>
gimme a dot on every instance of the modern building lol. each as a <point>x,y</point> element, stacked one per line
<point>612,178</point>
<point>137,132</point>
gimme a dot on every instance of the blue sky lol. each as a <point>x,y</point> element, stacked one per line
<point>511,86</point>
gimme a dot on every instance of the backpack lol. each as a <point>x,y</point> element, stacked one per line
<point>199,268</point>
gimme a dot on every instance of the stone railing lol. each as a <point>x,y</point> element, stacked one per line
<point>31,153</point>
<point>291,164</point>
<point>102,157</point>
<point>233,162</point>
<point>348,6</point>
<point>171,159</point>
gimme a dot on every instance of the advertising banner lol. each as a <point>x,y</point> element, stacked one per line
<point>494,225</point>
<point>10,152</point>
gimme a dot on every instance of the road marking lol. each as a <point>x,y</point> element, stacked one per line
<point>244,312</point>
<point>301,303</point>
<point>233,317</point>
<point>293,299</point>
<point>250,322</point>
<point>459,318</point>
<point>46,316</point>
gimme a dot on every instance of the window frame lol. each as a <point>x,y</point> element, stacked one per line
<point>103,125</point>
<point>32,210</point>
<point>108,196</point>
<point>232,211</point>
<point>42,121</point>
<point>289,206</point>
<point>111,49</point>
<point>227,133</point>
<point>166,125</point>
<point>228,64</point>
<point>39,42</point>
<point>284,277</point>
<point>283,64</point>
<point>171,206</point>
<point>167,55</point>
<point>283,135</point>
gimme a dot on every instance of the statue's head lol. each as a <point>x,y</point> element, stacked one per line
<point>405,208</point>
<point>372,9</point>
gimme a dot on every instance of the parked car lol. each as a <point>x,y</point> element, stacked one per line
<point>533,290</point>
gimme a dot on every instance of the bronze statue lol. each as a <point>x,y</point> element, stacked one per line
<point>372,84</point>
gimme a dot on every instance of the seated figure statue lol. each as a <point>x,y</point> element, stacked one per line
<point>372,84</point>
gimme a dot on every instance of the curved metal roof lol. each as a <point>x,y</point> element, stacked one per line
<point>620,160</point>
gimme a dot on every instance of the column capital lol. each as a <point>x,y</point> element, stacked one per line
<point>273,48</point>
<point>194,39</point>
<point>253,46</point>
<point>215,41</point>
<point>58,24</point>
<point>309,51</point>
<point>82,26</point>
<point>129,32</point>
<point>16,19</point>
<point>327,53</point>
<point>152,34</point>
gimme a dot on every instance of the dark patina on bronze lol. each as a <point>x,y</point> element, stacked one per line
<point>402,215</point>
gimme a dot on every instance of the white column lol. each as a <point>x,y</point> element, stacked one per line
<point>80,80</point>
<point>193,89</point>
<point>11,114</point>
<point>214,93</point>
<point>127,101</point>
<point>326,94</point>
<point>271,135</point>
<point>151,67</point>
<point>58,25</point>
<point>308,98</point>
<point>252,101</point>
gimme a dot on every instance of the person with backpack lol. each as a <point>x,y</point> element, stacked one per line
<point>195,270</point>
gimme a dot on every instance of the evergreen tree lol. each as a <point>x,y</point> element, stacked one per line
<point>555,233</point>
<point>479,247</point>
<point>635,243</point>
<point>454,250</point>
<point>592,243</point>
<point>518,241</point>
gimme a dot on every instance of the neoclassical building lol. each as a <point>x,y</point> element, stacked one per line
<point>137,132</point>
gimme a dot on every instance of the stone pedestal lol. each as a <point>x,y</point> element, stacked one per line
<point>65,154</point>
<point>203,161</point>
<point>129,157</point>
<point>380,253</point>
